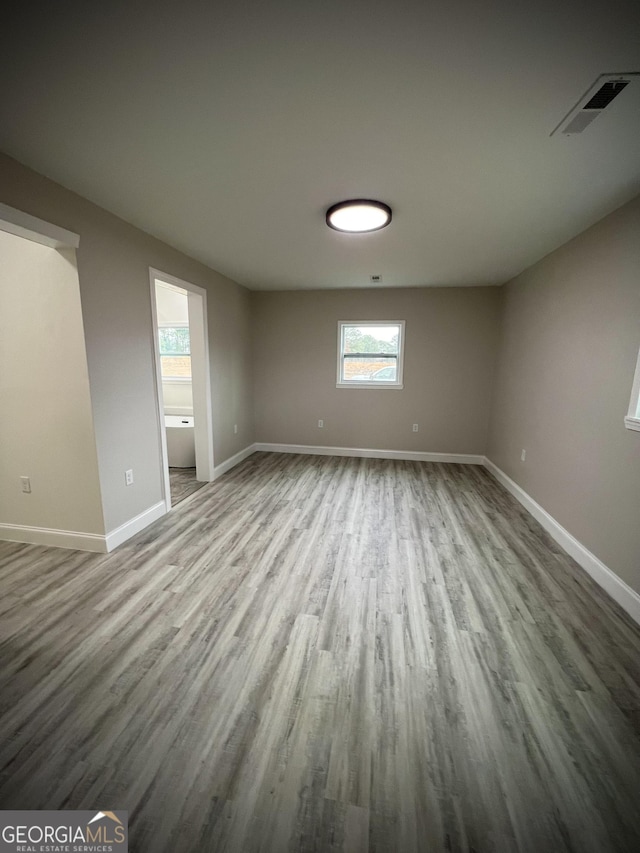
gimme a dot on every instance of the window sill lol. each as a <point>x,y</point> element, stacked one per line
<point>387,386</point>
<point>178,380</point>
<point>632,423</point>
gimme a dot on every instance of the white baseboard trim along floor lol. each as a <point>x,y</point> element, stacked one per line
<point>623,594</point>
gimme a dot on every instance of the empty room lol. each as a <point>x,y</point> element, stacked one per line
<point>320,450</point>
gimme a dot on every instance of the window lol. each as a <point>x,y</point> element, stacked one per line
<point>175,352</point>
<point>632,421</point>
<point>370,353</point>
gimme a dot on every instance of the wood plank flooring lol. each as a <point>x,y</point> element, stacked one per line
<point>183,483</point>
<point>326,654</point>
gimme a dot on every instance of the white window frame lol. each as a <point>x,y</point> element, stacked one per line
<point>390,386</point>
<point>632,420</point>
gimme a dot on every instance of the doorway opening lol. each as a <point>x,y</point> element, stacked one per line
<point>179,311</point>
<point>50,490</point>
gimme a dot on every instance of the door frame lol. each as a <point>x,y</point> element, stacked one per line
<point>201,379</point>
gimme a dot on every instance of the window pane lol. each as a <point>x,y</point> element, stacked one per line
<point>367,369</point>
<point>175,366</point>
<point>174,340</point>
<point>370,353</point>
<point>371,339</point>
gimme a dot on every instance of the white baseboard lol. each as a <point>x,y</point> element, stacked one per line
<point>230,463</point>
<point>408,455</point>
<point>134,525</point>
<point>54,538</point>
<point>621,592</point>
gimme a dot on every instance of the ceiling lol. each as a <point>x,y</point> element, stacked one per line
<point>227,128</point>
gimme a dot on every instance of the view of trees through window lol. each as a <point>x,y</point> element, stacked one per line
<point>370,353</point>
<point>175,352</point>
<point>364,339</point>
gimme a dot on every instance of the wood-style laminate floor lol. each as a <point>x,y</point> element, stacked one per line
<point>183,483</point>
<point>326,654</point>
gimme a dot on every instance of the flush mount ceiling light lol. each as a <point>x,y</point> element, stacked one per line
<point>358,216</point>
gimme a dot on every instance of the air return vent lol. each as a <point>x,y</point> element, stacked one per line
<point>594,101</point>
<point>605,94</point>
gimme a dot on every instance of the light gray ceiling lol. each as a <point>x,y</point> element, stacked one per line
<point>227,128</point>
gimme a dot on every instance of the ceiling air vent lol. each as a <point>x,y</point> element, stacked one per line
<point>594,101</point>
<point>605,94</point>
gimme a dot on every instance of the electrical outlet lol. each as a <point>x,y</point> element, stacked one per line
<point>26,485</point>
<point>235,428</point>
<point>415,427</point>
<point>523,455</point>
<point>128,477</point>
<point>320,424</point>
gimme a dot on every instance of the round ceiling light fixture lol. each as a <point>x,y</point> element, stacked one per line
<point>358,216</point>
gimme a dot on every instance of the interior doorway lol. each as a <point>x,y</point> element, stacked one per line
<point>50,490</point>
<point>179,311</point>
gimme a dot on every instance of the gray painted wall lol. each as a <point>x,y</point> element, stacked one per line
<point>564,336</point>
<point>113,266</point>
<point>451,344</point>
<point>569,344</point>
<point>46,428</point>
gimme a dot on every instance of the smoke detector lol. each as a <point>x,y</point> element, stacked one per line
<point>596,99</point>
